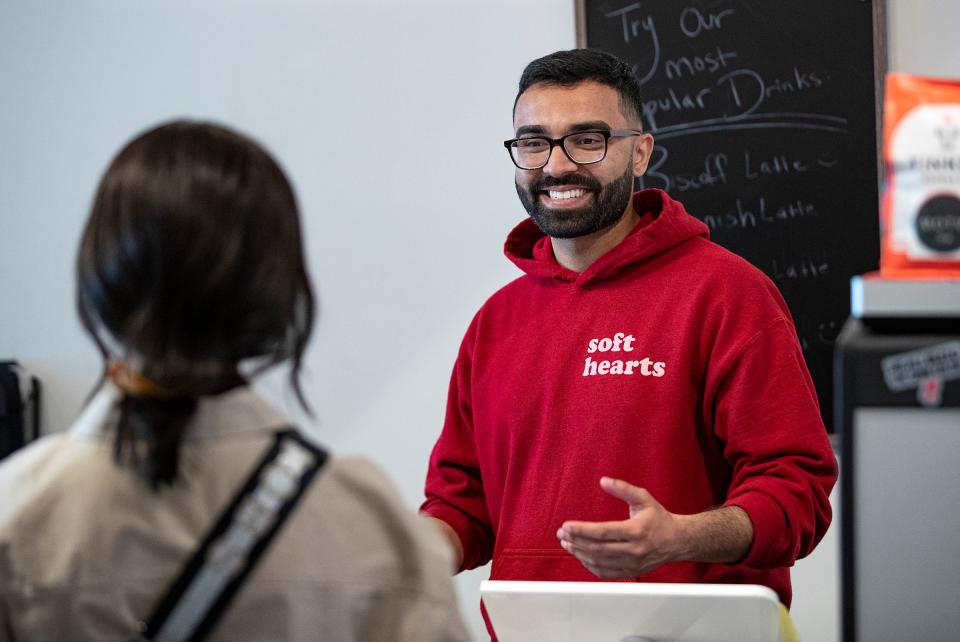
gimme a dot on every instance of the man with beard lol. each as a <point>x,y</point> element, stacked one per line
<point>636,406</point>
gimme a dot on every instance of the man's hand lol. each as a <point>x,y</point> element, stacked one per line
<point>653,536</point>
<point>629,548</point>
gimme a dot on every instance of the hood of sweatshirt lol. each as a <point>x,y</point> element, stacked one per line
<point>664,224</point>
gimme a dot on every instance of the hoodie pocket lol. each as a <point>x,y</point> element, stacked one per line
<point>539,564</point>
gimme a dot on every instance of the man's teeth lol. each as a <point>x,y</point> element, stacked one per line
<point>559,196</point>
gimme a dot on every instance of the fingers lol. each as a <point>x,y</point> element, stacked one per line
<point>611,573</point>
<point>596,531</point>
<point>606,558</point>
<point>610,561</point>
<point>636,497</point>
<point>595,550</point>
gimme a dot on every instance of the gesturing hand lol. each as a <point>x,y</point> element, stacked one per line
<point>630,548</point>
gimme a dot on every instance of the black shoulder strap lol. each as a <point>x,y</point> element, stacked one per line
<point>195,601</point>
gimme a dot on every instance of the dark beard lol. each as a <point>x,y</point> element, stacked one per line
<point>609,204</point>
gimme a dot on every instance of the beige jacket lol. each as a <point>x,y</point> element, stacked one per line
<point>86,548</point>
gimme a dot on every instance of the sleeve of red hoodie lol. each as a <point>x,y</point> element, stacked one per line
<point>454,489</point>
<point>765,410</point>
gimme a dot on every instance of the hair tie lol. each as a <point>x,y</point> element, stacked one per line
<point>132,383</point>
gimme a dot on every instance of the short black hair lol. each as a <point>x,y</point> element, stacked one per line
<point>573,66</point>
<point>191,261</point>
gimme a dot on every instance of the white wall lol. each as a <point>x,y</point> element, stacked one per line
<point>360,102</point>
<point>923,37</point>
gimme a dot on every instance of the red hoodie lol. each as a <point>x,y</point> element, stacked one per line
<point>670,363</point>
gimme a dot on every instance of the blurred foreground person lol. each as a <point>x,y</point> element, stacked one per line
<point>191,280</point>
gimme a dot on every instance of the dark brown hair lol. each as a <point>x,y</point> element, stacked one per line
<point>573,66</point>
<point>191,262</point>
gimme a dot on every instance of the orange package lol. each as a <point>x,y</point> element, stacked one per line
<point>920,209</point>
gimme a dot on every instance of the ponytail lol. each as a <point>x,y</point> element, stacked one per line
<point>153,419</point>
<point>148,436</point>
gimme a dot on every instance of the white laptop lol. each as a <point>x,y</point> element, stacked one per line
<point>631,612</point>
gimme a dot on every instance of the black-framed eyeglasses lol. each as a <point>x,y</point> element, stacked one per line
<point>583,148</point>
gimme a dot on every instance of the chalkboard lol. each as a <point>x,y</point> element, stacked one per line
<point>764,115</point>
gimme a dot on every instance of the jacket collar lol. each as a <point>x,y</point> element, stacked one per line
<point>237,411</point>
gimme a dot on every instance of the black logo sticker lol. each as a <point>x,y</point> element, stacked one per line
<point>938,223</point>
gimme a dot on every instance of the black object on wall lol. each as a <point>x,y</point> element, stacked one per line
<point>765,120</point>
<point>19,407</point>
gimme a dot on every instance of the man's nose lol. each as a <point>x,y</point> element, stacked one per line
<point>559,163</point>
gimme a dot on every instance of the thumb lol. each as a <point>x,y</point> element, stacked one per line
<point>636,497</point>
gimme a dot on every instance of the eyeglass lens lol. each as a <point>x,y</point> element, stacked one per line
<point>583,147</point>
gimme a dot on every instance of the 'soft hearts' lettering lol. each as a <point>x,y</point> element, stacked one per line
<point>620,342</point>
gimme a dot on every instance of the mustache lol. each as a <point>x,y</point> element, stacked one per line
<point>574,180</point>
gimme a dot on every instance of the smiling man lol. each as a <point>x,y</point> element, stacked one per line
<point>636,406</point>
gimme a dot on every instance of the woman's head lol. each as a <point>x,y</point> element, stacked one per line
<point>191,261</point>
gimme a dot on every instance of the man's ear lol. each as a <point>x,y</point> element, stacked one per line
<point>641,153</point>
